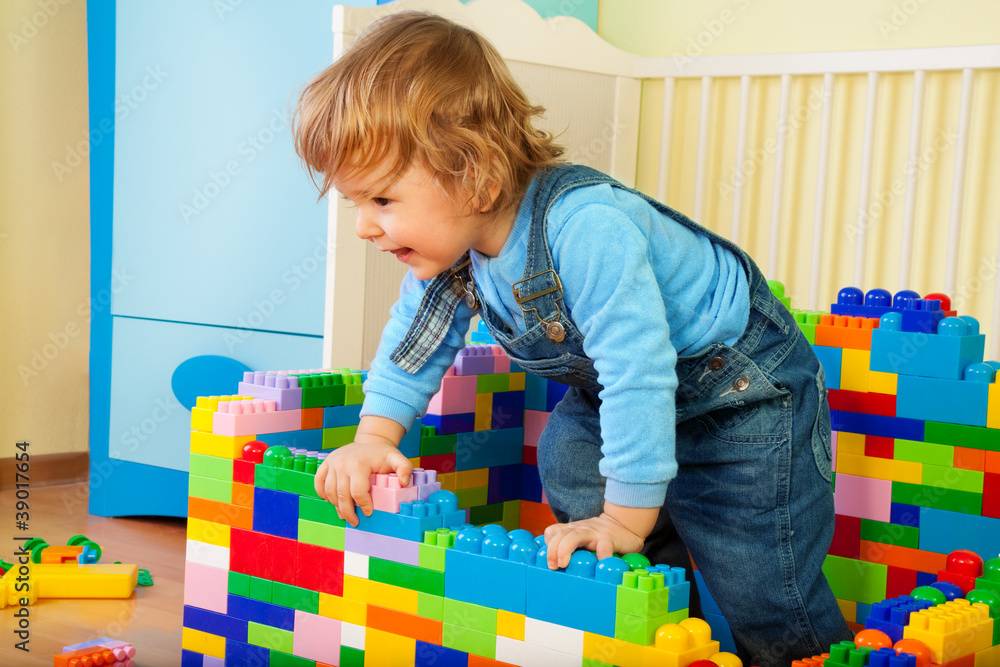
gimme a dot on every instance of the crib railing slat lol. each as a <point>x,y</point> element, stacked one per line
<point>666,128</point>
<point>739,174</point>
<point>702,165</point>
<point>958,183</point>
<point>779,175</point>
<point>826,120</point>
<point>864,195</point>
<point>912,162</point>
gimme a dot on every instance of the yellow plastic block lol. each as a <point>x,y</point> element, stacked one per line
<point>391,597</point>
<point>449,481</point>
<point>680,644</point>
<point>613,651</point>
<point>223,446</point>
<point>993,408</point>
<point>849,608</point>
<point>484,412</point>
<point>343,609</point>
<point>10,596</point>
<point>850,443</point>
<point>952,630</point>
<point>201,419</point>
<point>882,383</point>
<point>472,479</point>
<point>384,648</point>
<point>208,532</point>
<point>517,381</point>
<point>204,643</point>
<point>510,624</point>
<point>990,657</point>
<point>854,370</point>
<point>84,581</point>
<point>356,588</point>
<point>877,468</point>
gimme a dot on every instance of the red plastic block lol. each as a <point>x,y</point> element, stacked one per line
<point>443,463</point>
<point>243,471</point>
<point>991,495</point>
<point>962,569</point>
<point>319,569</point>
<point>877,446</point>
<point>529,455</point>
<point>859,401</point>
<point>846,537</point>
<point>899,581</point>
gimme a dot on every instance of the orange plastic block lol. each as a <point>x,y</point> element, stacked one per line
<point>845,332</point>
<point>905,557</point>
<point>217,512</point>
<point>407,625</point>
<point>59,554</point>
<point>992,463</point>
<point>243,495</point>
<point>970,459</point>
<point>312,418</point>
<point>480,661</point>
<point>952,630</point>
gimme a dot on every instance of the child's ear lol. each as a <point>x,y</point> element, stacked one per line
<point>491,196</point>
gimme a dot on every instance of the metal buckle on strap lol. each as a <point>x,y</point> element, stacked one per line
<point>462,288</point>
<point>554,328</point>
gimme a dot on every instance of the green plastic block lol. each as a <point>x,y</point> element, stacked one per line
<point>923,452</point>
<point>642,631</point>
<point>976,437</point>
<point>468,640</point>
<point>210,489</point>
<point>270,637</point>
<point>279,659</point>
<point>484,514</point>
<point>321,390</point>
<point>856,580</point>
<point>239,584</point>
<point>890,533</point>
<point>295,597</point>
<point>587,662</point>
<point>807,321</point>
<point>431,557</point>
<point>353,394</point>
<point>642,594</point>
<point>321,534</point>
<point>431,445</point>
<point>339,436</point>
<point>406,576</point>
<point>472,497</point>
<point>265,476</point>
<point>430,606</point>
<point>468,615</point>
<point>293,481</point>
<point>956,479</point>
<point>351,657</point>
<point>846,654</point>
<point>937,498</point>
<point>320,511</point>
<point>512,513</point>
<point>493,383</point>
<point>213,467</point>
<point>261,589</point>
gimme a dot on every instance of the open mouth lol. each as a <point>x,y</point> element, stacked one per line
<point>402,254</point>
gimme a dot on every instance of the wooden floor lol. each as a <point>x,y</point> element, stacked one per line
<point>150,619</point>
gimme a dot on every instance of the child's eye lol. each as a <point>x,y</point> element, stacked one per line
<point>381,202</point>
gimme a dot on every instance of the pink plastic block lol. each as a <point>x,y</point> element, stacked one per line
<point>206,587</point>
<point>534,424</point>
<point>863,497</point>
<point>272,386</point>
<point>456,397</point>
<point>387,494</point>
<point>501,360</point>
<point>253,417</point>
<point>316,638</point>
<point>382,546</point>
<point>833,446</point>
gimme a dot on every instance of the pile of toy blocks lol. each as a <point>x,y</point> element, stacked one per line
<point>103,651</point>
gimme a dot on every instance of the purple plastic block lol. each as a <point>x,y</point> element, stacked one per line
<point>270,386</point>
<point>212,661</point>
<point>475,360</point>
<point>382,546</point>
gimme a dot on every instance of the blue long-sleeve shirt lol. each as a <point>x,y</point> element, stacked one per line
<point>640,287</point>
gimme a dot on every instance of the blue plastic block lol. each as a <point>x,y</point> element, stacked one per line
<point>397,525</point>
<point>192,659</point>
<point>508,410</point>
<point>486,449</point>
<point>926,578</point>
<point>311,439</point>
<point>832,359</point>
<point>432,655</point>
<point>215,623</point>
<point>410,444</point>
<point>240,653</point>
<point>276,513</point>
<point>916,314</point>
<point>942,531</point>
<point>449,424</point>
<point>485,580</point>
<point>886,427</point>
<point>950,401</point>
<point>905,515</point>
<point>341,415</point>
<point>721,632</point>
<point>535,392</point>
<point>835,420</point>
<point>887,657</point>
<point>576,602</point>
<point>504,484</point>
<point>862,612</point>
<point>531,484</point>
<point>248,609</point>
<point>892,615</point>
<point>554,393</point>
<point>708,605</point>
<point>946,354</point>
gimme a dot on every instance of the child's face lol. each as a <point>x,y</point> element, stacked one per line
<point>414,218</point>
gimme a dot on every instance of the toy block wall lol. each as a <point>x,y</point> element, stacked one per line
<point>916,419</point>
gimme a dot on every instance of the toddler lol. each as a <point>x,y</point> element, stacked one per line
<point>696,418</point>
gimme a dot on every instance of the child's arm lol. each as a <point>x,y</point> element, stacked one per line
<point>618,530</point>
<point>343,478</point>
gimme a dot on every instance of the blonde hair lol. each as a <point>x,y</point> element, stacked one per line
<point>417,86</point>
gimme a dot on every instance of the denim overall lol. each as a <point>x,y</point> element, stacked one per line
<point>752,500</point>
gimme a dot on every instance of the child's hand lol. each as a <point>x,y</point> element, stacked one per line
<point>343,478</point>
<point>602,534</point>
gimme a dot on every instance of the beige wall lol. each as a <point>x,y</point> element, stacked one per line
<point>44,226</point>
<point>674,28</point>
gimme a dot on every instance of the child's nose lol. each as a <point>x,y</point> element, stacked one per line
<point>364,226</point>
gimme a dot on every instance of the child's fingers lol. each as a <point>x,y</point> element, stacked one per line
<point>402,467</point>
<point>319,481</point>
<point>345,502</point>
<point>359,492</point>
